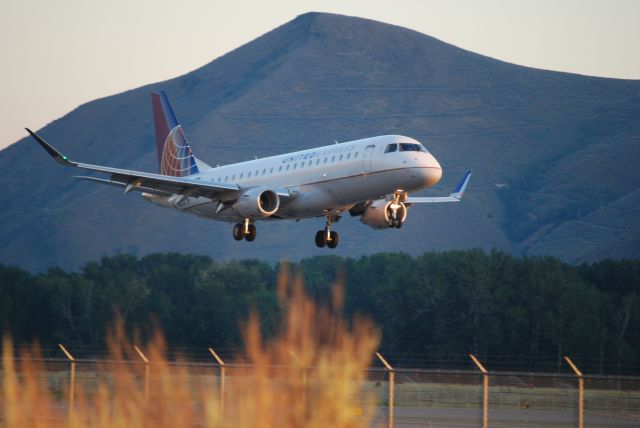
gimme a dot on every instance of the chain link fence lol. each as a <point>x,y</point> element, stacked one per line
<point>399,397</point>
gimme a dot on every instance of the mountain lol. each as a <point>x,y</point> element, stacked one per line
<point>554,154</point>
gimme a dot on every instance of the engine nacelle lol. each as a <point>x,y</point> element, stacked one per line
<point>378,213</point>
<point>257,203</point>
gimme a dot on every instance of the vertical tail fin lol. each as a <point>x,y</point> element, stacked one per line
<point>175,157</point>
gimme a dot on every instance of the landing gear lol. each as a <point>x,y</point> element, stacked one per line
<point>335,238</point>
<point>245,230</point>
<point>394,222</point>
<point>238,232</point>
<point>327,236</point>
<point>251,235</point>
<point>397,209</point>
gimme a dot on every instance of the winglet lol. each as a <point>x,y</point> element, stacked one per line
<point>59,157</point>
<point>458,193</point>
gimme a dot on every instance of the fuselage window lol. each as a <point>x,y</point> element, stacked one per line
<point>318,161</point>
<point>226,178</point>
<point>249,175</point>
<point>310,162</point>
<point>325,160</point>
<point>355,155</point>
<point>271,171</point>
<point>241,175</point>
<point>391,148</point>
<point>264,171</point>
<point>341,156</point>
<point>280,169</point>
<point>348,155</point>
<point>234,177</point>
<point>287,167</point>
<point>333,159</point>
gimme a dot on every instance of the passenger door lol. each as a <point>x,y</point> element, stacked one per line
<point>367,158</point>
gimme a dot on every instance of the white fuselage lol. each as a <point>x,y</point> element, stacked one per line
<point>325,180</point>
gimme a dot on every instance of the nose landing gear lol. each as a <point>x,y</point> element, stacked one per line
<point>398,210</point>
<point>395,222</point>
<point>327,236</point>
<point>246,230</point>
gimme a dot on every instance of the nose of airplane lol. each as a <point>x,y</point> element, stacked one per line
<point>431,170</point>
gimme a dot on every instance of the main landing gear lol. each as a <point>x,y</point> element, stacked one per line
<point>246,230</point>
<point>327,236</point>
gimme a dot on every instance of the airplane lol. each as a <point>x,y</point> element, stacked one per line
<point>370,178</point>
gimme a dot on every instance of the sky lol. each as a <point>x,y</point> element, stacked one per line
<point>60,54</point>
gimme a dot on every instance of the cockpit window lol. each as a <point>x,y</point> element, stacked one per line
<point>391,148</point>
<point>411,147</point>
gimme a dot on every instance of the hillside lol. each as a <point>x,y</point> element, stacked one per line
<point>554,154</point>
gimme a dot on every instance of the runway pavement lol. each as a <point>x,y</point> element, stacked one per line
<point>436,417</point>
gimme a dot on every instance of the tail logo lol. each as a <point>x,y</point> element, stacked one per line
<point>177,159</point>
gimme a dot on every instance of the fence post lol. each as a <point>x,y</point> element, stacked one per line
<point>580,376</point>
<point>392,377</point>
<point>222,370</point>
<point>485,391</point>
<point>72,375</point>
<point>146,372</point>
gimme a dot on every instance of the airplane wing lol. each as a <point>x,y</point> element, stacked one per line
<point>456,196</point>
<point>142,181</point>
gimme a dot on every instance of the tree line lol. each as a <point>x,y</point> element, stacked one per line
<point>506,309</point>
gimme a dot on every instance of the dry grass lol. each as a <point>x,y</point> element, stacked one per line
<point>272,387</point>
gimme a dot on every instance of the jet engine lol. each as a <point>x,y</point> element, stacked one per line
<point>379,214</point>
<point>257,203</point>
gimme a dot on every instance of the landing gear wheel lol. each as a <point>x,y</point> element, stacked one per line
<point>326,236</point>
<point>238,232</point>
<point>335,238</point>
<point>397,223</point>
<point>321,238</point>
<point>252,233</point>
